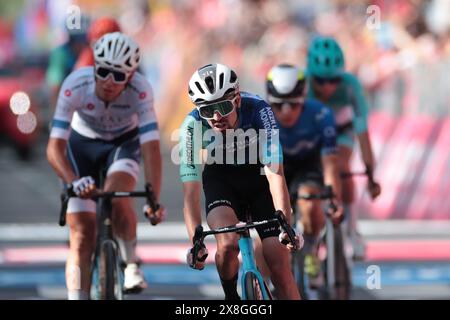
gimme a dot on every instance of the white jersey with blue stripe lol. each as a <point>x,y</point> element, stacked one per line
<point>79,108</point>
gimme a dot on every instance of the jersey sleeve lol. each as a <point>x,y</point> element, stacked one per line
<point>190,147</point>
<point>148,124</point>
<point>65,107</point>
<point>269,135</point>
<point>327,127</point>
<point>359,104</point>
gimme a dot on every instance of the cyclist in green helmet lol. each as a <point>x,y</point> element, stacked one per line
<point>342,91</point>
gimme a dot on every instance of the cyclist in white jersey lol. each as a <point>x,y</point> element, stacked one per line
<point>105,116</point>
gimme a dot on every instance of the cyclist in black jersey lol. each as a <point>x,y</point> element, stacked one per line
<point>243,171</point>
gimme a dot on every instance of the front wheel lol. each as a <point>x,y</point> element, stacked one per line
<point>109,273</point>
<point>252,287</point>
<point>341,287</point>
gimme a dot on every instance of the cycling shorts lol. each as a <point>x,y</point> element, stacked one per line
<point>242,188</point>
<point>89,156</point>
<point>303,172</point>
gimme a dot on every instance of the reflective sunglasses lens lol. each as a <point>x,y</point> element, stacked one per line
<point>322,81</point>
<point>224,108</point>
<point>206,112</point>
<point>102,72</point>
<point>119,76</point>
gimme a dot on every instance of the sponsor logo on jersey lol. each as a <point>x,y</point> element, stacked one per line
<point>189,147</point>
<point>90,106</point>
<point>67,93</point>
<point>142,95</point>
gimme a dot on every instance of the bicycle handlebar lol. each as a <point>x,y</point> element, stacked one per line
<point>200,235</point>
<point>326,194</point>
<point>69,193</point>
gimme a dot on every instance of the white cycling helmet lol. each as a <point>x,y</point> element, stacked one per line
<point>213,82</point>
<point>117,51</point>
<point>285,81</point>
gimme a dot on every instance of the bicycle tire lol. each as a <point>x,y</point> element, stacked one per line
<point>342,284</point>
<point>108,273</point>
<point>342,271</point>
<point>252,287</point>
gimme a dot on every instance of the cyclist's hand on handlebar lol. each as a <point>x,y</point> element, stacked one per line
<point>374,189</point>
<point>155,217</point>
<point>284,239</point>
<point>201,258</point>
<point>84,187</point>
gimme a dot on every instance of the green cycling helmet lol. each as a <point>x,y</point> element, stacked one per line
<point>325,58</point>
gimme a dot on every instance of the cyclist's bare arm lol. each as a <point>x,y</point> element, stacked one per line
<point>278,189</point>
<point>192,206</point>
<point>151,153</point>
<point>56,155</point>
<point>366,150</point>
<point>331,174</point>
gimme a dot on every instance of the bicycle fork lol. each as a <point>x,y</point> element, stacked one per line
<point>248,264</point>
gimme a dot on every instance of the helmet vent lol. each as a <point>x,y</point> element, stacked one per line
<point>221,80</point>
<point>191,93</point>
<point>210,84</point>
<point>326,44</point>
<point>327,61</point>
<point>199,87</point>
<point>233,77</point>
<point>128,62</point>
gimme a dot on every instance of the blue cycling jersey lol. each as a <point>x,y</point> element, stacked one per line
<point>254,141</point>
<point>313,134</point>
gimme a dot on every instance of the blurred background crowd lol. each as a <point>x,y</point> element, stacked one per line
<point>403,60</point>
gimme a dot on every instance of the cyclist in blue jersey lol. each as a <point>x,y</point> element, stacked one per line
<point>243,171</point>
<point>329,83</point>
<point>308,137</point>
<point>105,118</point>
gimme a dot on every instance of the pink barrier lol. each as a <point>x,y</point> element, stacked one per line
<point>413,167</point>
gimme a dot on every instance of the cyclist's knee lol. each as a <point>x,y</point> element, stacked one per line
<point>122,207</point>
<point>228,247</point>
<point>120,181</point>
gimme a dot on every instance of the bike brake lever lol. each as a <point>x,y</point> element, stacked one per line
<point>151,201</point>
<point>197,241</point>
<point>286,227</point>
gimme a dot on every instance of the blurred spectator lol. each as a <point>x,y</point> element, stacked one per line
<point>62,60</point>
<point>403,62</point>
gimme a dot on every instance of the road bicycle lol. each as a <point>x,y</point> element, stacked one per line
<point>108,268</point>
<point>252,283</point>
<point>335,268</point>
